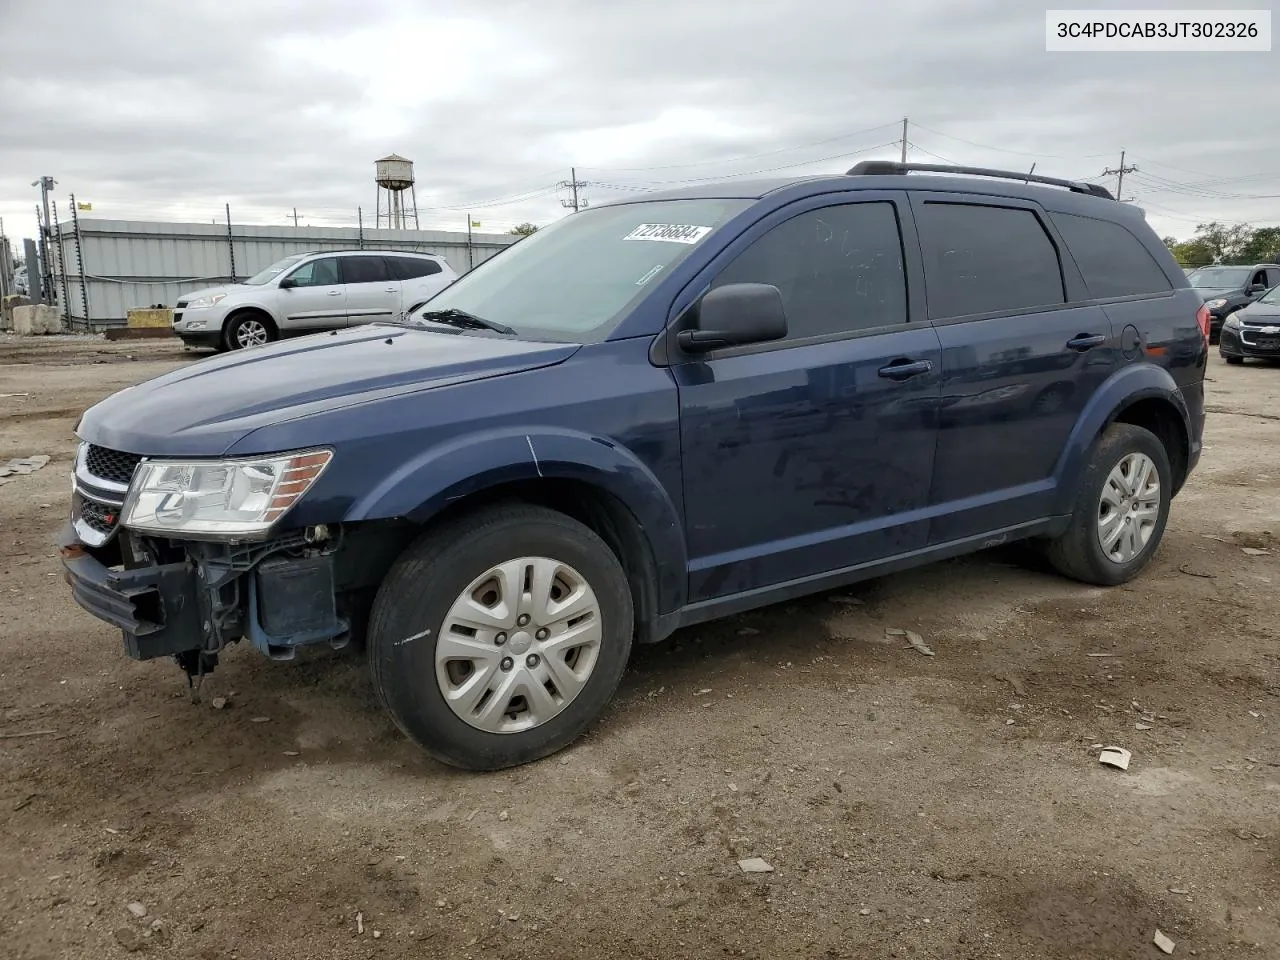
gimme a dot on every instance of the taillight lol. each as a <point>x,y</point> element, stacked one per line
<point>1202,318</point>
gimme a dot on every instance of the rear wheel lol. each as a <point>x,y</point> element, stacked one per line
<point>248,329</point>
<point>1120,511</point>
<point>499,639</point>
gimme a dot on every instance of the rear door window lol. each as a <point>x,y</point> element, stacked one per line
<point>986,259</point>
<point>410,268</point>
<point>1113,262</point>
<point>364,270</point>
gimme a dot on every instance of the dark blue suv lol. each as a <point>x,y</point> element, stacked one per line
<point>647,415</point>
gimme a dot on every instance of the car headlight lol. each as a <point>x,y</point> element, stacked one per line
<point>200,303</point>
<point>219,499</point>
<point>1233,322</point>
<point>1215,304</point>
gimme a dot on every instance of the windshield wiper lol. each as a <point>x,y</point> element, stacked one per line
<point>454,317</point>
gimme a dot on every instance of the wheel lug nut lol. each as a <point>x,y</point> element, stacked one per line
<point>507,663</point>
<point>500,639</point>
<point>543,633</point>
<point>522,619</point>
<point>531,660</point>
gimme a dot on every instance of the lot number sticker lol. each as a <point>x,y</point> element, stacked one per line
<point>668,232</point>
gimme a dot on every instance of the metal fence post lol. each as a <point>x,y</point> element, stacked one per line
<point>360,221</point>
<point>231,244</point>
<point>62,265</point>
<point>84,283</point>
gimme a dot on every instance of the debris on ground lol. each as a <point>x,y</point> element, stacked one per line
<point>129,939</point>
<point>137,909</point>
<point>1019,688</point>
<point>504,816</point>
<point>755,865</point>
<point>1162,942</point>
<point>27,733</point>
<point>748,632</point>
<point>1117,757</point>
<point>21,467</point>
<point>359,923</point>
<point>703,692</point>
<point>218,703</point>
<point>914,639</point>
<point>259,719</point>
<point>1142,726</point>
<point>1182,568</point>
<point>1254,551</point>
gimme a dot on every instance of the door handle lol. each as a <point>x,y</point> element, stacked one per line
<point>335,293</point>
<point>905,369</point>
<point>1086,341</point>
<point>390,290</point>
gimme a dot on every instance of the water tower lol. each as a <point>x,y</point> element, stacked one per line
<point>394,175</point>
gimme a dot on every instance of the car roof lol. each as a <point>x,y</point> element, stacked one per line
<point>359,253</point>
<point>1008,184</point>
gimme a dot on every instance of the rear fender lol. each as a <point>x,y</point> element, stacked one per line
<point>429,482</point>
<point>1122,389</point>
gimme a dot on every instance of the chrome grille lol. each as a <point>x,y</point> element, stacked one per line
<point>111,464</point>
<point>100,516</point>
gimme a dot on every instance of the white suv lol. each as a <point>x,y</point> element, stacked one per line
<point>309,292</point>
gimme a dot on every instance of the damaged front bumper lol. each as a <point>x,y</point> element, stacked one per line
<point>191,599</point>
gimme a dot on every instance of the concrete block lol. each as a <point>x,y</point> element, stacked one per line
<point>7,307</point>
<point>36,319</point>
<point>151,317</point>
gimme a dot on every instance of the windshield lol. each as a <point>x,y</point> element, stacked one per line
<point>575,279</point>
<point>1219,277</point>
<point>1272,297</point>
<point>273,271</point>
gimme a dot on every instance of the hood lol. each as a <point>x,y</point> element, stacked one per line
<point>203,408</point>
<point>228,288</point>
<point>1259,311</point>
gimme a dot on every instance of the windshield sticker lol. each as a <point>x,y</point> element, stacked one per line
<point>649,276</point>
<point>668,232</point>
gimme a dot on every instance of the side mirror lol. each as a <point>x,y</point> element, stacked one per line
<point>736,314</point>
<point>1256,288</point>
<point>287,282</point>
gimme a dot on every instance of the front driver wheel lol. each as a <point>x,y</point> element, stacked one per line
<point>248,330</point>
<point>500,638</point>
<point>1120,510</point>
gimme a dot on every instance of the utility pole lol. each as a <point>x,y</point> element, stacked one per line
<point>1120,176</point>
<point>46,271</point>
<point>295,216</point>
<point>572,185</point>
<point>471,259</point>
<point>904,139</point>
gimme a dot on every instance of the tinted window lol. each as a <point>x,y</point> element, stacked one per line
<point>364,270</point>
<point>1112,260</point>
<point>1273,276</point>
<point>839,269</point>
<point>317,273</point>
<point>407,268</point>
<point>986,260</point>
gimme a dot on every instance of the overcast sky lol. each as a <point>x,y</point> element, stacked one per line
<point>159,109</point>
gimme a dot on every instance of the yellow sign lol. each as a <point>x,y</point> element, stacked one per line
<point>475,223</point>
<point>83,206</point>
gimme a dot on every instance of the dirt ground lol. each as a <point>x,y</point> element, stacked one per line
<point>947,807</point>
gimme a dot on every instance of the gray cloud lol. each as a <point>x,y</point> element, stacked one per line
<point>157,109</point>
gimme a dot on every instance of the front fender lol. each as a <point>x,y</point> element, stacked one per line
<point>1123,388</point>
<point>428,482</point>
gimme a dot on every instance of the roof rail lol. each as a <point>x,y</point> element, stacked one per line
<point>877,168</point>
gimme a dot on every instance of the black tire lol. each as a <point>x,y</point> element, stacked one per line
<point>416,596</point>
<point>237,323</point>
<point>1077,553</point>
<point>1234,361</point>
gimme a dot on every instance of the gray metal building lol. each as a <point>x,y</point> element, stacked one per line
<point>104,268</point>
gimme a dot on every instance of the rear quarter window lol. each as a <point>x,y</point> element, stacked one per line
<point>1113,262</point>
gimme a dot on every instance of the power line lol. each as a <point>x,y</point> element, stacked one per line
<point>1022,153</point>
<point>752,156</point>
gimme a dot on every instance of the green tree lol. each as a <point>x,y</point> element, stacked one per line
<point>1228,243</point>
<point>1263,246</point>
<point>1192,253</point>
<point>524,229</point>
